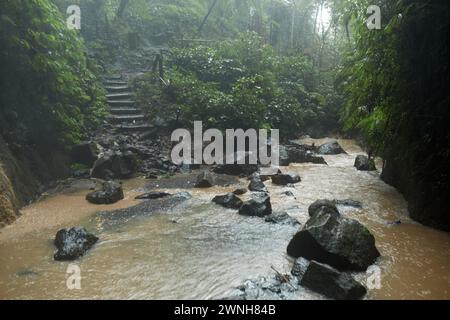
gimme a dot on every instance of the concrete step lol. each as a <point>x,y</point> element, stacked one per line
<point>127,118</point>
<point>114,77</point>
<point>121,103</point>
<point>117,89</point>
<point>125,111</point>
<point>115,83</point>
<point>135,128</point>
<point>119,96</point>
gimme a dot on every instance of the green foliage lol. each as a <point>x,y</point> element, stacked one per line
<point>395,85</point>
<point>238,83</point>
<point>45,76</point>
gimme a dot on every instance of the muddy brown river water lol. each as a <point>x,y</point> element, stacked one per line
<point>198,250</point>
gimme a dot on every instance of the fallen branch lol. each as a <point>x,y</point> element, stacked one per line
<point>283,277</point>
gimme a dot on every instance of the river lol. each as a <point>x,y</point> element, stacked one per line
<point>199,250</point>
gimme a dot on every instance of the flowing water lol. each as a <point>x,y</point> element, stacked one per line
<point>200,251</point>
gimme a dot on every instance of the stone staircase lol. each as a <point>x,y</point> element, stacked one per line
<point>125,115</point>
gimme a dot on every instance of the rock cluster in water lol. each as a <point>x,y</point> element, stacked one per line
<point>297,153</point>
<point>326,248</point>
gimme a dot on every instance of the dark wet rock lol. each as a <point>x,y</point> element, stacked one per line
<point>317,205</point>
<point>259,206</point>
<point>256,184</point>
<point>348,203</point>
<point>205,180</point>
<point>393,223</point>
<point>330,148</point>
<point>286,178</point>
<point>299,267</point>
<point>282,218</point>
<point>110,219</point>
<point>142,151</point>
<point>119,165</point>
<point>298,154</point>
<point>229,200</point>
<point>270,172</point>
<point>154,173</point>
<point>111,193</point>
<point>188,180</point>
<point>331,204</point>
<point>187,167</point>
<point>273,287</point>
<point>330,282</point>
<point>362,163</point>
<point>82,174</point>
<point>152,195</point>
<point>73,243</point>
<point>288,193</point>
<point>27,273</point>
<point>329,238</point>
<point>240,191</point>
<point>239,296</point>
<point>183,196</point>
<point>237,169</point>
<point>85,153</point>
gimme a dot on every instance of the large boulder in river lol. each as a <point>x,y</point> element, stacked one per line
<point>363,163</point>
<point>85,153</point>
<point>329,238</point>
<point>115,165</point>
<point>73,243</point>
<point>286,178</point>
<point>229,200</point>
<point>111,193</point>
<point>328,281</point>
<point>258,206</point>
<point>256,184</point>
<point>330,148</point>
<point>205,180</point>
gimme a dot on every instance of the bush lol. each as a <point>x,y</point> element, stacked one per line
<point>46,79</point>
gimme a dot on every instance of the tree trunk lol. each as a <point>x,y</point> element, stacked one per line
<point>122,7</point>
<point>293,26</point>
<point>207,16</point>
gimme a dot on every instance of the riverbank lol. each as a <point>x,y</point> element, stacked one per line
<point>65,205</point>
